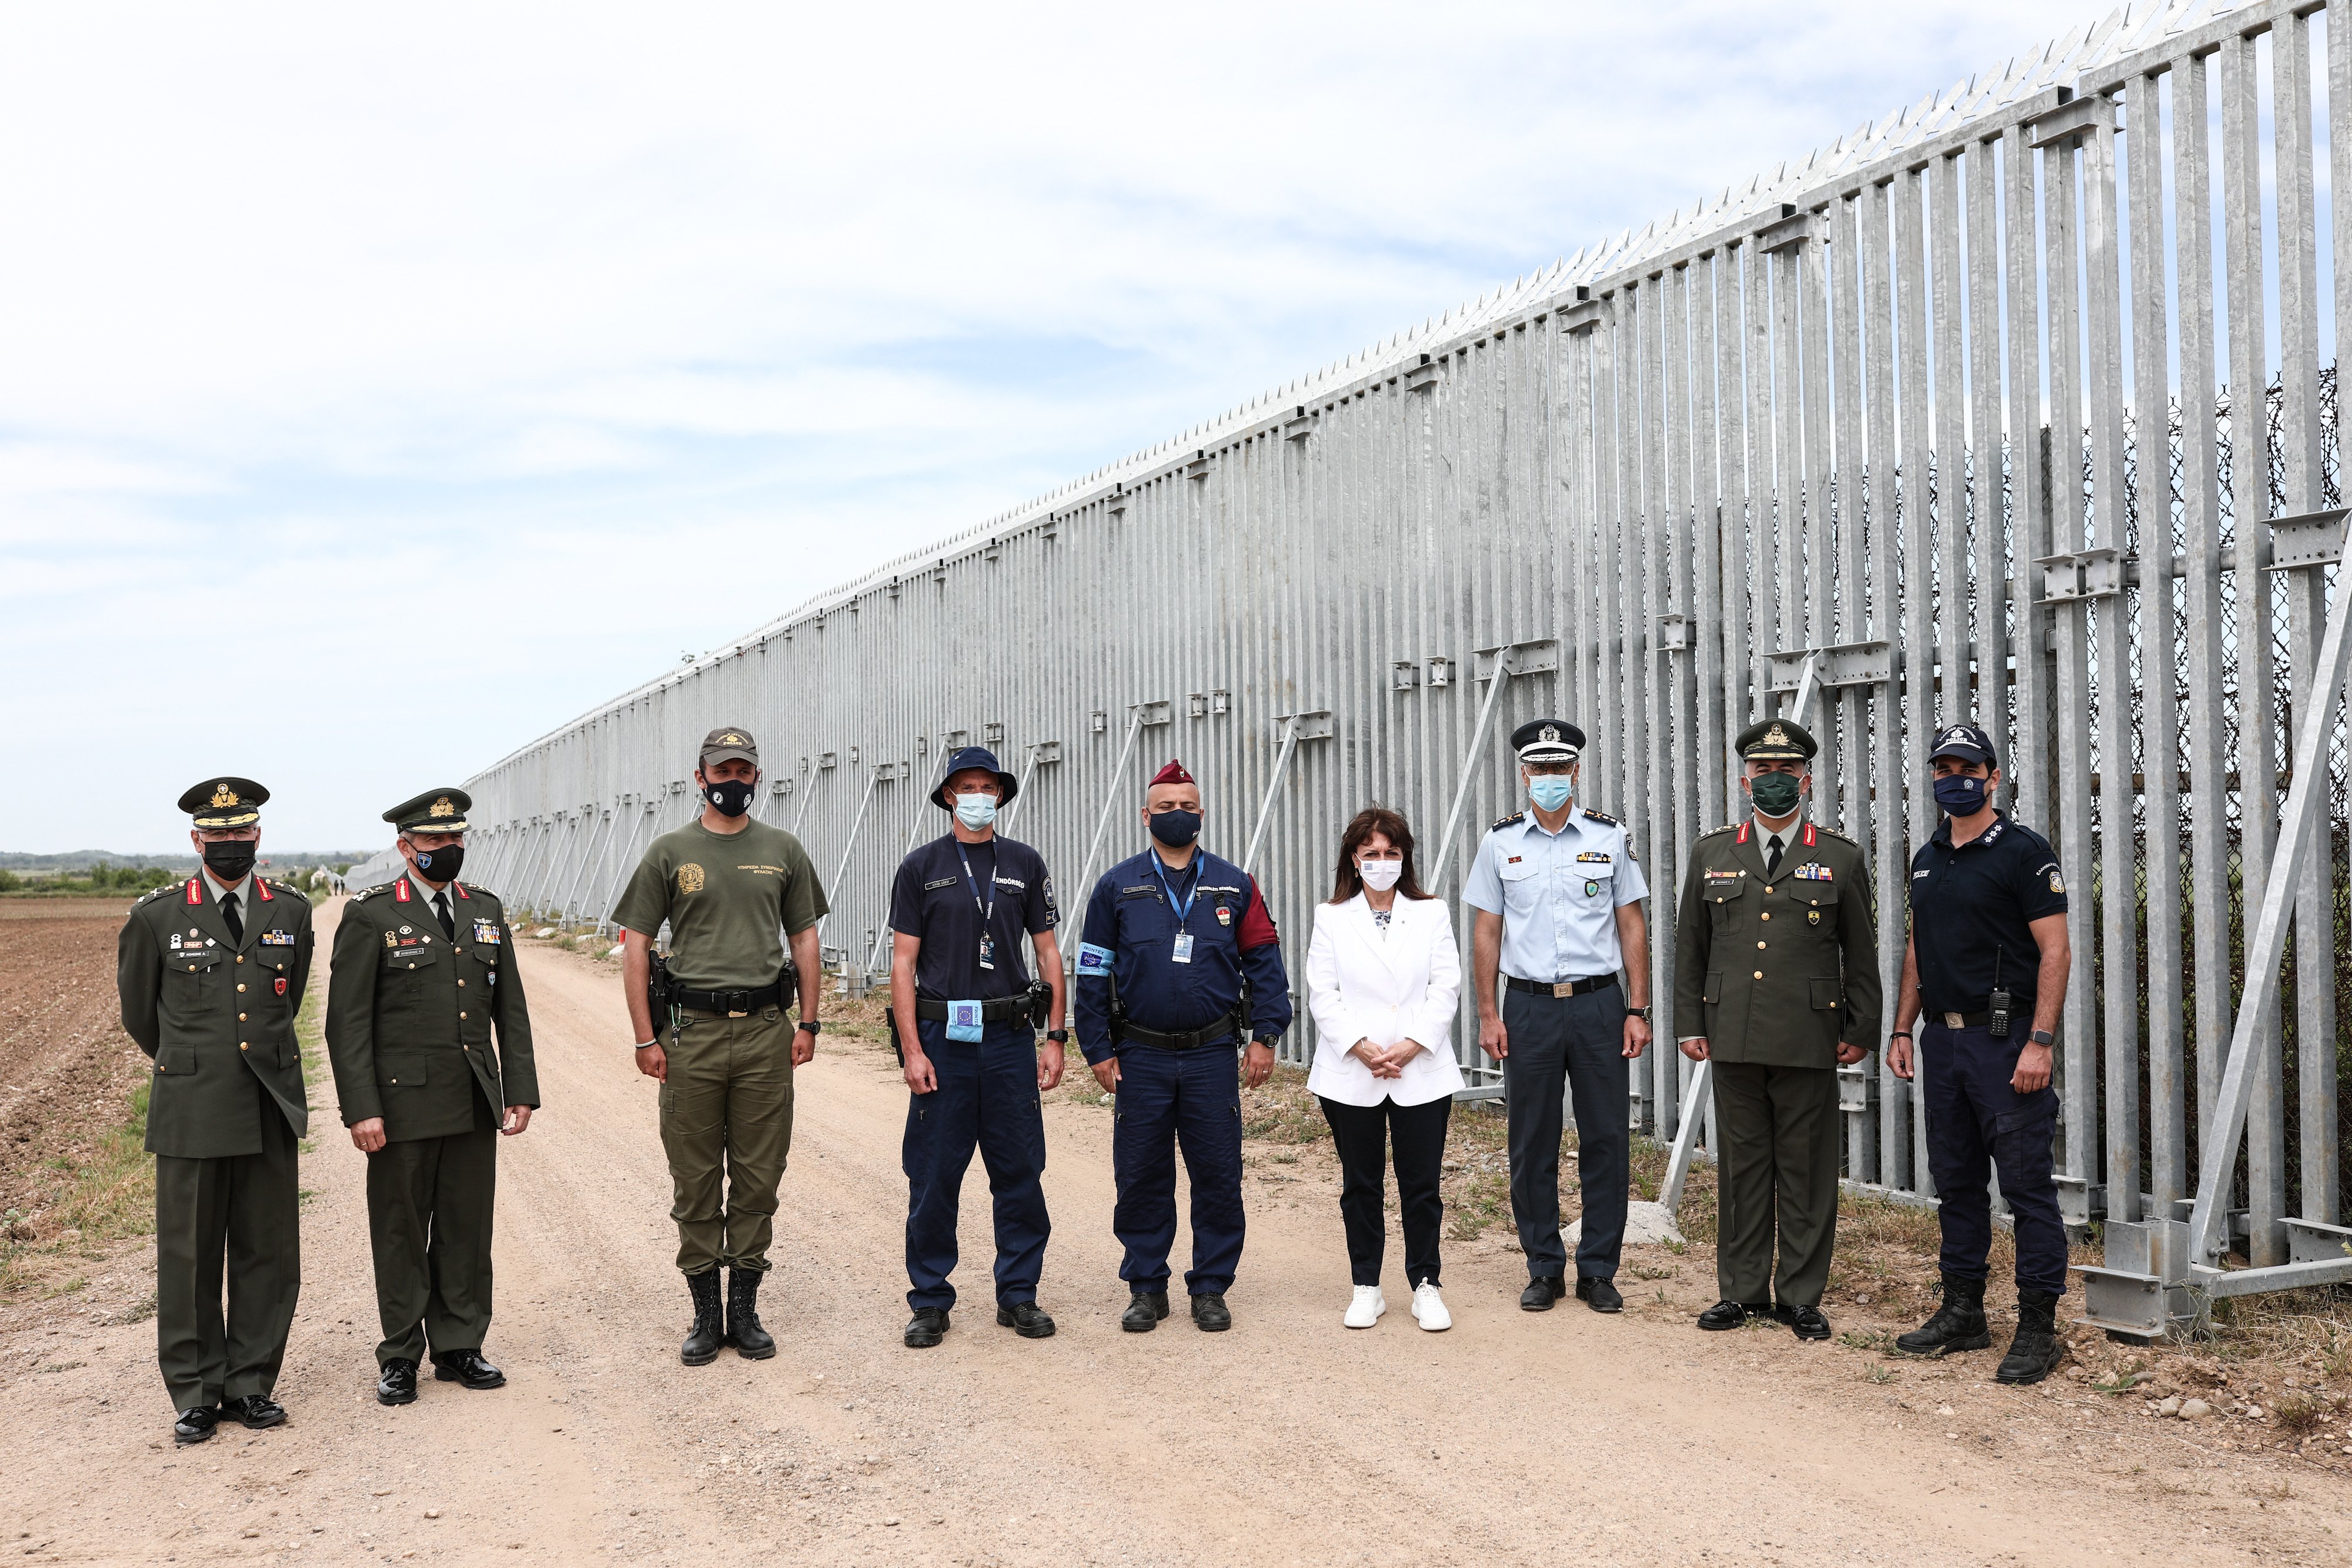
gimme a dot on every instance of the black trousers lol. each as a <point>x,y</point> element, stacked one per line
<point>1576,1044</point>
<point>1363,1135</point>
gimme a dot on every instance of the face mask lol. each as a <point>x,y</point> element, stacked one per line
<point>1775,794</point>
<point>441,864</point>
<point>975,810</point>
<point>732,797</point>
<point>1551,791</point>
<point>1175,829</point>
<point>1959,795</point>
<point>1380,875</point>
<point>229,860</point>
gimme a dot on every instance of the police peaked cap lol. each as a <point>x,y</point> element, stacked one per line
<point>966,756</point>
<point>1548,740</point>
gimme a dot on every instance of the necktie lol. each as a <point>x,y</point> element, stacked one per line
<point>1772,861</point>
<point>229,913</point>
<point>441,911</point>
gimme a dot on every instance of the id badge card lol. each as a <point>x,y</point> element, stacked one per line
<point>988,952</point>
<point>1183,954</point>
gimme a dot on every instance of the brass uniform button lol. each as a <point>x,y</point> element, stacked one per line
<point>242,1046</point>
<point>461,1015</point>
<point>461,982</point>
<point>240,985</point>
<point>1768,887</point>
<point>240,1017</point>
<point>1759,974</point>
<point>1759,945</point>
<point>1767,915</point>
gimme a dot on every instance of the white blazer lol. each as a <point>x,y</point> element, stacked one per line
<point>1366,984</point>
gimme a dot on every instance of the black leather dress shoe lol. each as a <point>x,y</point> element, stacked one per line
<point>397,1385</point>
<point>927,1327</point>
<point>1026,1319</point>
<point>254,1411</point>
<point>467,1368</point>
<point>194,1425</point>
<point>1542,1292</point>
<point>1144,1311</point>
<point>1210,1313</point>
<point>1601,1295</point>
<point>1807,1321</point>
<point>1732,1314</point>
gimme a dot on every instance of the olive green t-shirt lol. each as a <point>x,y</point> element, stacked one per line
<point>730,898</point>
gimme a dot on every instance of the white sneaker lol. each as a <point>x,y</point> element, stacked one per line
<point>1429,1307</point>
<point>1366,1309</point>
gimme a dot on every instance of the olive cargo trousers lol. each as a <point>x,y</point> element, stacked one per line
<point>727,1126</point>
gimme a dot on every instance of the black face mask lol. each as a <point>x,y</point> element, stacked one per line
<point>230,860</point>
<point>442,864</point>
<point>731,796</point>
<point>1175,829</point>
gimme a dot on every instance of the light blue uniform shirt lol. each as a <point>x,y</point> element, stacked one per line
<point>1558,893</point>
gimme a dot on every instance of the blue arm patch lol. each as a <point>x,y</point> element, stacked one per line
<point>1094,960</point>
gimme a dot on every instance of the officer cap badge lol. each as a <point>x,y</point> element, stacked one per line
<point>223,795</point>
<point>442,808</point>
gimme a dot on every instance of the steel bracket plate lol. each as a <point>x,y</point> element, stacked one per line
<point>1583,316</point>
<point>1299,427</point>
<point>1838,664</point>
<point>1674,634</point>
<point>1536,658</point>
<point>1152,712</point>
<point>1046,751</point>
<point>2097,113</point>
<point>1423,376</point>
<point>1313,725</point>
<point>1794,229</point>
<point>1405,674</point>
<point>2080,1200</point>
<point>1857,1085</point>
<point>2310,1241</point>
<point>2085,574</point>
<point>2313,538</point>
<point>2122,1302</point>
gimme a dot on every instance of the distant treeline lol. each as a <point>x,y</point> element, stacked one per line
<point>103,877</point>
<point>180,864</point>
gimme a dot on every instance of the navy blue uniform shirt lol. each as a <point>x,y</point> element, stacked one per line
<point>1131,936</point>
<point>932,900</point>
<point>1966,903</point>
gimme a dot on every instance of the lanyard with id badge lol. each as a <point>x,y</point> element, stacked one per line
<point>964,1020</point>
<point>1183,953</point>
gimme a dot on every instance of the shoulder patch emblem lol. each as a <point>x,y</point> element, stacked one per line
<point>1514,817</point>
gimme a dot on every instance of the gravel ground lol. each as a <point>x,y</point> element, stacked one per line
<point>1516,1437</point>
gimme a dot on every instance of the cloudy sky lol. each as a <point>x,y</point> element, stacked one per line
<point>383,387</point>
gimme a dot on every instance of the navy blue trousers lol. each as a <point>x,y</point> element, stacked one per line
<point>1975,1120</point>
<point>1574,1045</point>
<point>1168,1098</point>
<point>986,1098</point>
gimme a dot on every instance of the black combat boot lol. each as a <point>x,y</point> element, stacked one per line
<point>703,1339</point>
<point>1958,1323</point>
<point>752,1342</point>
<point>2035,1353</point>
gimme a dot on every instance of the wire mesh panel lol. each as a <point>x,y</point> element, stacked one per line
<point>1992,411</point>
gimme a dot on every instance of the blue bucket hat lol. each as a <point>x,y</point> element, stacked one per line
<point>973,757</point>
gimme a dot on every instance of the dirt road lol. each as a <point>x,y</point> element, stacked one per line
<point>1516,1437</point>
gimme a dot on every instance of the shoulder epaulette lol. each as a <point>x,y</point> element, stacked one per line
<point>152,893</point>
<point>1841,838</point>
<point>1514,817</point>
<point>285,886</point>
<point>368,893</point>
<point>1602,818</point>
<point>1711,832</point>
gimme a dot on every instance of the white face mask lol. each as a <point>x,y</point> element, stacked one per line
<point>1380,875</point>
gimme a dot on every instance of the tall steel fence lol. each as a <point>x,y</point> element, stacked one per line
<point>1956,419</point>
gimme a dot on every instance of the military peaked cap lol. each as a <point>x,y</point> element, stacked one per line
<point>435,811</point>
<point>224,802</point>
<point>1775,740</point>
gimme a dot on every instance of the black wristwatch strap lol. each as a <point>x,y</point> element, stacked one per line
<point>814,1026</point>
<point>1058,1036</point>
<point>2042,1037</point>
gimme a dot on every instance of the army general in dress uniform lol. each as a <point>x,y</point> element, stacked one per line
<point>211,974</point>
<point>422,979</point>
<point>1776,963</point>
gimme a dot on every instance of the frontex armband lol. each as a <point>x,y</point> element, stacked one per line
<point>1094,960</point>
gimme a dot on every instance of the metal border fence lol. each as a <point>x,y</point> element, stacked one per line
<point>1869,435</point>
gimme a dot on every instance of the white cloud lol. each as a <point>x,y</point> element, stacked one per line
<point>487,308</point>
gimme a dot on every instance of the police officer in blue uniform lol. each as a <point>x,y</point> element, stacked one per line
<point>1558,900</point>
<point>964,1013</point>
<point>1179,965</point>
<point>1986,960</point>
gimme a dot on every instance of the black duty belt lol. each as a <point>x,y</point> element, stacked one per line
<point>1561,988</point>
<point>1967,1020</point>
<point>992,1011</point>
<point>734,1004</point>
<point>1228,1027</point>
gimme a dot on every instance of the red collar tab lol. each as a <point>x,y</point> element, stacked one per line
<point>195,891</point>
<point>1743,833</point>
<point>261,888</point>
<point>400,891</point>
<point>1809,840</point>
<point>461,890</point>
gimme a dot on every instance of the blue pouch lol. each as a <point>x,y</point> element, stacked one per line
<point>964,1022</point>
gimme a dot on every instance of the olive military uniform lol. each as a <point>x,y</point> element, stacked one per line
<point>427,1028</point>
<point>213,1001</point>
<point>1776,963</point>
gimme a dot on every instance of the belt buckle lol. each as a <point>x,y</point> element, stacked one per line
<point>1955,1020</point>
<point>1563,987</point>
<point>738,1004</point>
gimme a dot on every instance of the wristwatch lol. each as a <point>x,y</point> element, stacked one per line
<point>2042,1037</point>
<point>1641,1013</point>
<point>1058,1036</point>
<point>1900,1034</point>
<point>814,1026</point>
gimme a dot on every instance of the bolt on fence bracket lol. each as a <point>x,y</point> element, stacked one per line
<point>2085,574</point>
<point>2313,538</point>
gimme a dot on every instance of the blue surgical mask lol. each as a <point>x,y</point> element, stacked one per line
<point>1551,791</point>
<point>1959,795</point>
<point>975,810</point>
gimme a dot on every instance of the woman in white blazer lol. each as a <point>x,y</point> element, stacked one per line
<point>1383,975</point>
